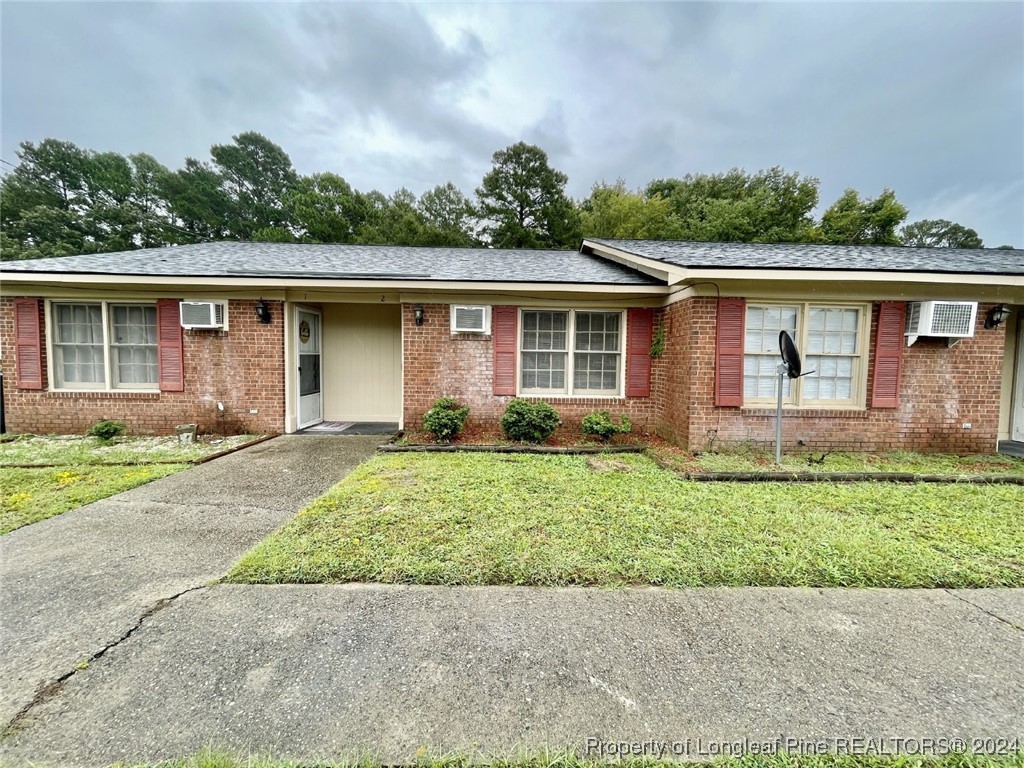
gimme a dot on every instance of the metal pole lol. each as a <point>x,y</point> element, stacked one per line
<point>782,369</point>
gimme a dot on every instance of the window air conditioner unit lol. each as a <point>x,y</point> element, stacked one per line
<point>953,320</point>
<point>203,314</point>
<point>475,319</point>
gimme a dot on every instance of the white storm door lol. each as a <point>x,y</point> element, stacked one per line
<point>307,325</point>
<point>1017,397</point>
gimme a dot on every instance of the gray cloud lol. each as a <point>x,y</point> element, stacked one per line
<point>925,98</point>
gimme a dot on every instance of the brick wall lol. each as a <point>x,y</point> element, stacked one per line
<point>242,367</point>
<point>941,388</point>
<point>439,363</point>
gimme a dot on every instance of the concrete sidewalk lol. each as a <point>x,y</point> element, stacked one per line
<point>79,582</point>
<point>325,672</point>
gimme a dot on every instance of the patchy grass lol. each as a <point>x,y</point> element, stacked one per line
<point>565,759</point>
<point>76,449</point>
<point>31,495</point>
<point>815,461</point>
<point>611,521</point>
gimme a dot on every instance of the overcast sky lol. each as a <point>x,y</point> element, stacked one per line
<point>925,98</point>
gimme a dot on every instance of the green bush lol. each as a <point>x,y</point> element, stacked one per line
<point>600,423</point>
<point>106,430</point>
<point>445,419</point>
<point>529,421</point>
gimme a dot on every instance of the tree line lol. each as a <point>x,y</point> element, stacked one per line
<point>60,199</point>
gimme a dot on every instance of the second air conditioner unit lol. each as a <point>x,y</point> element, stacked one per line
<point>204,314</point>
<point>953,320</point>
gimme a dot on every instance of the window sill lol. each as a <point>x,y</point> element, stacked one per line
<point>103,394</point>
<point>850,412</point>
<point>563,398</point>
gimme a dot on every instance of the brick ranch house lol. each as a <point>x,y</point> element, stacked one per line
<point>680,336</point>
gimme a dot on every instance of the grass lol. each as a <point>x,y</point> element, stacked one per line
<point>896,461</point>
<point>79,450</point>
<point>31,495</point>
<point>622,520</point>
<point>219,759</point>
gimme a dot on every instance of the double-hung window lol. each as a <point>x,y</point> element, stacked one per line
<point>831,339</point>
<point>571,352</point>
<point>103,345</point>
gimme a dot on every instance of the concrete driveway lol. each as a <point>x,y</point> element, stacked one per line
<point>77,583</point>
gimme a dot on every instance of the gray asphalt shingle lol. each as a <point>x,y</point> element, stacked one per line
<point>817,257</point>
<point>385,262</point>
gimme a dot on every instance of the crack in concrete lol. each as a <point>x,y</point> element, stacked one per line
<point>51,688</point>
<point>986,611</point>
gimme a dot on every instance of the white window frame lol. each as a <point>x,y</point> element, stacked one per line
<point>570,354</point>
<point>796,399</point>
<point>487,318</point>
<point>108,383</point>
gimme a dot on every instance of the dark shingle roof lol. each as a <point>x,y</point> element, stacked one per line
<point>876,258</point>
<point>345,262</point>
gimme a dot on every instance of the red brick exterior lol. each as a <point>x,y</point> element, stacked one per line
<point>242,367</point>
<point>941,388</point>
<point>438,363</point>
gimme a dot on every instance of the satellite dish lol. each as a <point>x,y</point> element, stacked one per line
<point>790,354</point>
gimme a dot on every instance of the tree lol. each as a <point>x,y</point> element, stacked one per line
<point>200,208</point>
<point>521,202</point>
<point>769,206</point>
<point>43,202</point>
<point>939,233</point>
<point>392,220</point>
<point>615,212</point>
<point>325,209</point>
<point>447,214</point>
<point>853,221</point>
<point>256,175</point>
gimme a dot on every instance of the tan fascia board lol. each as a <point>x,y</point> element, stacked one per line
<point>852,291</point>
<point>263,286</point>
<point>669,273</point>
<point>849,276</point>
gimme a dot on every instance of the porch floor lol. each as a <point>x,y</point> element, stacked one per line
<point>351,428</point>
<point>1011,448</point>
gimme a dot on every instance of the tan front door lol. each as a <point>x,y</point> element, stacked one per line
<point>362,362</point>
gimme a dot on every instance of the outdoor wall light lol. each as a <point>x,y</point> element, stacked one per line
<point>417,314</point>
<point>996,316</point>
<point>263,312</point>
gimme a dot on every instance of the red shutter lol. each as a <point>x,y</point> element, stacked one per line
<point>729,352</point>
<point>169,351</point>
<point>504,330</point>
<point>639,332</point>
<point>885,384</point>
<point>28,344</point>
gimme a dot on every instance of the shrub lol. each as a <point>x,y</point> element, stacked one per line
<point>529,421</point>
<point>600,423</point>
<point>106,430</point>
<point>445,419</point>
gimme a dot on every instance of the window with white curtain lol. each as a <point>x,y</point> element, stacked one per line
<point>570,352</point>
<point>102,345</point>
<point>831,342</point>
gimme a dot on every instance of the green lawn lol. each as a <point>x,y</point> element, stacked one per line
<point>77,449</point>
<point>215,759</point>
<point>621,520</point>
<point>31,495</point>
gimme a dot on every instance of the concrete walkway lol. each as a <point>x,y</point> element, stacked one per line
<point>79,582</point>
<point>323,672</point>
